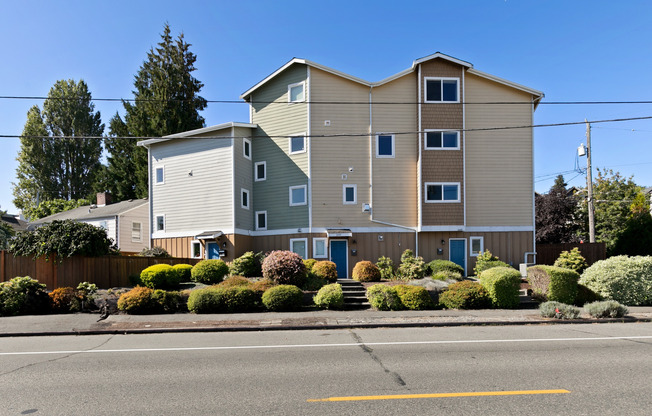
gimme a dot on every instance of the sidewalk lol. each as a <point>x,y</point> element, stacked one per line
<point>87,324</point>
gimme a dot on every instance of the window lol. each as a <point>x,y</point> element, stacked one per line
<point>160,177</point>
<point>477,246</point>
<point>297,144</point>
<point>244,200</point>
<point>297,195</point>
<point>136,235</point>
<point>260,172</point>
<point>299,246</point>
<point>246,148</point>
<point>296,93</point>
<point>440,90</point>
<point>160,223</point>
<point>385,145</point>
<point>195,249</point>
<point>349,194</point>
<point>261,220</point>
<point>449,140</point>
<point>319,248</point>
<point>442,192</point>
<point>104,225</point>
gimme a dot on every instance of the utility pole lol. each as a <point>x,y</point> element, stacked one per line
<point>589,183</point>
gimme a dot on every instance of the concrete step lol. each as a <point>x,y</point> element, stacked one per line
<point>354,294</point>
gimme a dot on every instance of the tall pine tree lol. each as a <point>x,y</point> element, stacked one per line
<point>167,101</point>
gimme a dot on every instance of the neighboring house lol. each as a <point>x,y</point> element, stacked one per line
<point>335,167</point>
<point>648,193</point>
<point>14,222</point>
<point>126,222</point>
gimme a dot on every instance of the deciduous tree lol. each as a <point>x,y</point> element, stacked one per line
<point>556,219</point>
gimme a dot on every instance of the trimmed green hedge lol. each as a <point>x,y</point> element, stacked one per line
<point>209,271</point>
<point>502,284</point>
<point>437,266</point>
<point>330,297</point>
<point>283,298</point>
<point>553,283</point>
<point>465,295</point>
<point>414,297</point>
<point>144,300</point>
<point>366,271</point>
<point>326,270</point>
<point>184,271</point>
<point>384,298</point>
<point>222,299</point>
<point>160,276</point>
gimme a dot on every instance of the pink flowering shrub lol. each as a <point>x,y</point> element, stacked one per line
<point>284,267</point>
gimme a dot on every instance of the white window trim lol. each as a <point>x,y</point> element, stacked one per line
<point>355,193</point>
<point>256,220</point>
<point>305,244</point>
<point>245,191</point>
<point>256,178</point>
<point>192,243</point>
<point>296,84</point>
<point>429,201</point>
<point>156,168</point>
<point>140,232</point>
<point>425,89</point>
<point>393,136</point>
<point>244,153</point>
<point>425,144</point>
<point>305,195</point>
<point>471,246</point>
<point>156,217</point>
<point>314,248</point>
<point>290,143</point>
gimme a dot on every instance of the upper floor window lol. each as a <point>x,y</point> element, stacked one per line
<point>297,144</point>
<point>349,194</point>
<point>260,172</point>
<point>246,148</point>
<point>160,177</point>
<point>440,90</point>
<point>296,92</point>
<point>448,140</point>
<point>244,201</point>
<point>297,195</point>
<point>442,192</point>
<point>160,223</point>
<point>385,145</point>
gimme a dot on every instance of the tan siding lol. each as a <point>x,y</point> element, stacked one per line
<point>126,220</point>
<point>176,247</point>
<point>498,163</point>
<point>369,248</point>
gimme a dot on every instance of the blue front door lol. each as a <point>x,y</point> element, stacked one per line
<point>458,252</point>
<point>213,250</point>
<point>339,256</point>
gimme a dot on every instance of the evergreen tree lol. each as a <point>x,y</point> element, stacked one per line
<point>166,102</point>
<point>58,158</point>
<point>556,220</point>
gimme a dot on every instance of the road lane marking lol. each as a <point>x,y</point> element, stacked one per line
<point>351,344</point>
<point>439,395</point>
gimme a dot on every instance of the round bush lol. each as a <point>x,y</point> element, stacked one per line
<point>553,283</point>
<point>366,271</point>
<point>326,270</point>
<point>414,297</point>
<point>64,300</point>
<point>445,275</point>
<point>309,263</point>
<point>160,276</point>
<point>23,296</point>
<point>283,298</point>
<point>209,271</point>
<point>437,266</point>
<point>284,267</point>
<point>553,309</point>
<point>627,280</point>
<point>184,271</point>
<point>465,295</point>
<point>330,297</point>
<point>384,298</point>
<point>606,309</point>
<point>138,301</point>
<point>247,265</point>
<point>502,284</point>
<point>222,299</point>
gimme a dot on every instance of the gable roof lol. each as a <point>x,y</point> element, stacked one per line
<point>191,133</point>
<point>15,223</point>
<point>90,212</point>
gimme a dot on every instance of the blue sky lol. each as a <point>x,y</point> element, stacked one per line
<point>571,50</point>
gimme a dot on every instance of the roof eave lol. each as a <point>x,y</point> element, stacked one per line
<point>188,134</point>
<point>538,95</point>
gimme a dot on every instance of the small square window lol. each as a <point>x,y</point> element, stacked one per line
<point>246,148</point>
<point>260,171</point>
<point>261,220</point>
<point>296,92</point>
<point>244,201</point>
<point>442,192</point>
<point>160,223</point>
<point>443,140</point>
<point>297,195</point>
<point>385,145</point>
<point>299,246</point>
<point>477,246</point>
<point>136,235</point>
<point>319,248</point>
<point>349,194</point>
<point>297,144</point>
<point>160,177</point>
<point>440,90</point>
<point>195,249</point>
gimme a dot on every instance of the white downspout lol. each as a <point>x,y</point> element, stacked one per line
<point>149,195</point>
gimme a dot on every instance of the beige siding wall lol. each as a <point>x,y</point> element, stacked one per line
<point>498,163</point>
<point>176,247</point>
<point>199,202</point>
<point>125,223</point>
<point>243,179</point>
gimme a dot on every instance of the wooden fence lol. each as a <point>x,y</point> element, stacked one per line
<point>592,252</point>
<point>105,272</point>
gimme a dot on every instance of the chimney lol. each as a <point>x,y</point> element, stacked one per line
<point>103,199</point>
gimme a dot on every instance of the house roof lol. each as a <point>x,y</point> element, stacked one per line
<point>191,133</point>
<point>15,223</point>
<point>438,55</point>
<point>89,212</point>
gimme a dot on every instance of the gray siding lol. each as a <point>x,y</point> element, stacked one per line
<point>243,179</point>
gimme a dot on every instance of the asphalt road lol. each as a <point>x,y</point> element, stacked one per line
<point>512,370</point>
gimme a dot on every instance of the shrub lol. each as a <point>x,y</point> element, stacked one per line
<point>366,271</point>
<point>330,297</point>
<point>558,310</point>
<point>235,281</point>
<point>209,271</point>
<point>553,283</point>
<point>262,285</point>
<point>384,298</point>
<point>154,252</point>
<point>606,309</point>
<point>326,270</point>
<point>64,300</point>
<point>138,301</point>
<point>160,276</point>
<point>284,267</point>
<point>486,261</point>
<point>437,266</point>
<point>502,284</point>
<point>184,271</point>
<point>283,298</point>
<point>309,263</point>
<point>414,297</point>
<point>313,283</point>
<point>585,295</point>
<point>168,302</point>
<point>386,267</point>
<point>411,267</point>
<point>23,296</point>
<point>247,265</point>
<point>465,295</point>
<point>572,260</point>
<point>445,275</point>
<point>627,280</point>
<point>222,299</point>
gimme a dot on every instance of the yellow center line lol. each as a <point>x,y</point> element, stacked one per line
<point>439,395</point>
